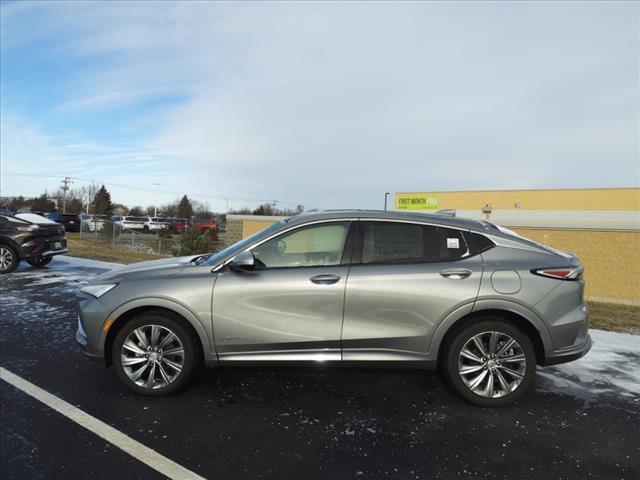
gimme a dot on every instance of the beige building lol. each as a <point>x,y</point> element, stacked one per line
<point>601,226</point>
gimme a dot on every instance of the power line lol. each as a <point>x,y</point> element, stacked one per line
<point>139,188</point>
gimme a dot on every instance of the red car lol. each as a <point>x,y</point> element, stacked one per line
<point>179,225</point>
<point>204,225</point>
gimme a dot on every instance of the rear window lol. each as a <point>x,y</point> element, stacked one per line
<point>389,242</point>
<point>482,243</point>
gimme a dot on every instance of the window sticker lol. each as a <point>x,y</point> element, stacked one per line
<point>453,243</point>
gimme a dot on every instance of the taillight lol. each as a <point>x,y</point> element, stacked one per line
<point>560,273</point>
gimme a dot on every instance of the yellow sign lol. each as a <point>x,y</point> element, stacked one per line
<point>416,201</point>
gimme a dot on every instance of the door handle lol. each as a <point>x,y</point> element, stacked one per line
<point>325,279</point>
<point>456,273</point>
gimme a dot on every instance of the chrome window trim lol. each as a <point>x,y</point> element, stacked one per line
<point>333,220</point>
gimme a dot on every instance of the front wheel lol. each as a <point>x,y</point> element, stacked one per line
<point>40,261</point>
<point>490,363</point>
<point>154,355</point>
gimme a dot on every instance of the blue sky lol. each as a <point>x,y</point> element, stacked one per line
<point>325,104</point>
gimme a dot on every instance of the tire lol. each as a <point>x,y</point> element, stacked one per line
<point>500,373</point>
<point>9,259</point>
<point>145,229</point>
<point>167,379</point>
<point>39,262</point>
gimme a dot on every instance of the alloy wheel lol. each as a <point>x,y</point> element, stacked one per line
<point>492,364</point>
<point>152,356</point>
<point>6,259</point>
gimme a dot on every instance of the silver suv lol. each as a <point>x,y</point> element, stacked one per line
<point>347,287</point>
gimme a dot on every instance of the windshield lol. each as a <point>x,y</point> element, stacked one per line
<point>242,244</point>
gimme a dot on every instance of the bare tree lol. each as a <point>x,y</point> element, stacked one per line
<point>87,193</point>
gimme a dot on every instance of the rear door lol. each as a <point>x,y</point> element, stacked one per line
<point>408,278</point>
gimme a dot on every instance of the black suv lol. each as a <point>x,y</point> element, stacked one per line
<point>30,237</point>
<point>70,221</point>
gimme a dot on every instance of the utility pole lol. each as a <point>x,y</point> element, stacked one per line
<point>385,200</point>
<point>65,187</point>
<point>155,204</point>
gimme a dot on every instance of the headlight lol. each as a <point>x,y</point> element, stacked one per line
<point>98,290</point>
<point>30,228</point>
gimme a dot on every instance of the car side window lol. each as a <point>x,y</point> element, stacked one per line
<point>316,245</point>
<point>452,244</point>
<point>397,242</point>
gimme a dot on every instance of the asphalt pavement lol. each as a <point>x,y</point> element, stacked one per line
<point>579,421</point>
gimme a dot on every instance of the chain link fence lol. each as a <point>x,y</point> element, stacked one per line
<point>106,232</point>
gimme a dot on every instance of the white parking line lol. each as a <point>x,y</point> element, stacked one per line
<point>125,443</point>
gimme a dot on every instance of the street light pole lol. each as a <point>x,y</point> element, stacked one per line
<point>227,200</point>
<point>385,200</point>
<point>155,202</point>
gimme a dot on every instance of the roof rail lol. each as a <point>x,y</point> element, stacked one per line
<point>449,211</point>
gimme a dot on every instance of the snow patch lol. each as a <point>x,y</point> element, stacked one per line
<point>612,366</point>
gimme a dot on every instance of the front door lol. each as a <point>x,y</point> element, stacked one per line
<point>409,277</point>
<point>291,306</point>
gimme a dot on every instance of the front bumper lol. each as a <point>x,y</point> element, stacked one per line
<point>81,340</point>
<point>570,354</point>
<point>91,318</point>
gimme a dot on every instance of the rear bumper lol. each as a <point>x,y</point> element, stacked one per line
<point>43,247</point>
<point>569,354</point>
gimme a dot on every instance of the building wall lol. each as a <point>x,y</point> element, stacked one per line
<point>558,199</point>
<point>611,260</point>
<point>241,226</point>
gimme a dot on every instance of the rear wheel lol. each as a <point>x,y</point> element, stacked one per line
<point>40,261</point>
<point>154,355</point>
<point>9,259</point>
<point>490,363</point>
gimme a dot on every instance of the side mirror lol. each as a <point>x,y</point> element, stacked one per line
<point>243,262</point>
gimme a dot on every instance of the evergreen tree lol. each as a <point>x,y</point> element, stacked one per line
<point>102,202</point>
<point>185,209</point>
<point>43,204</point>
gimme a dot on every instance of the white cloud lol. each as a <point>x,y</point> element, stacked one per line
<point>332,104</point>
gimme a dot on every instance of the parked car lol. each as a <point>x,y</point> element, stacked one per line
<point>155,224</point>
<point>477,301</point>
<point>130,223</point>
<point>70,221</point>
<point>92,222</point>
<point>204,225</point>
<point>177,225</point>
<point>30,237</point>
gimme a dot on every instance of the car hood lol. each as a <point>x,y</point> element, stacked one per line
<point>154,268</point>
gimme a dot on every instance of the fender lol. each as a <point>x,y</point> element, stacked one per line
<point>443,327</point>
<point>491,304</point>
<point>208,346</point>
<point>7,241</point>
